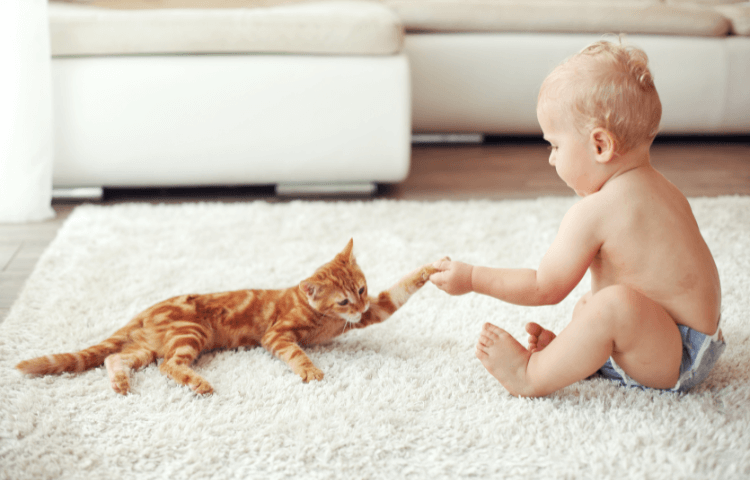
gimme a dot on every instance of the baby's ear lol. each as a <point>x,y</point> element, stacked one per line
<point>604,144</point>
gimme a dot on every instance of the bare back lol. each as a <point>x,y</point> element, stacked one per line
<point>651,243</point>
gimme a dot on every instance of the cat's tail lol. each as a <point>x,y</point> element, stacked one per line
<point>75,362</point>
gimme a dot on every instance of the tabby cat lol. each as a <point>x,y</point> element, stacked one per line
<point>180,328</point>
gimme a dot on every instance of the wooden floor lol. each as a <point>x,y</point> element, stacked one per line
<point>498,169</point>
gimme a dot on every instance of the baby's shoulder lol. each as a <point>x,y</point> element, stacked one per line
<point>587,215</point>
<point>598,204</point>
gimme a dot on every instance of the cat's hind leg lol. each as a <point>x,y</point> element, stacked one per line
<point>176,365</point>
<point>120,364</point>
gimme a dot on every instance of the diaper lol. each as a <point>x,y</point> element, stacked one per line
<point>699,355</point>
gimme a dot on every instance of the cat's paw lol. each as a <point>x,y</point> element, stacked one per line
<point>311,373</point>
<point>120,383</point>
<point>202,387</point>
<point>428,270</point>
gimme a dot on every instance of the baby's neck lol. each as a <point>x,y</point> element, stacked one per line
<point>638,157</point>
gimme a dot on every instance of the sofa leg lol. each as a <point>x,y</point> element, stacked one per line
<point>325,189</point>
<point>94,194</point>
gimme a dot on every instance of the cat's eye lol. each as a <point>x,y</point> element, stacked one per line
<point>362,290</point>
<point>344,302</point>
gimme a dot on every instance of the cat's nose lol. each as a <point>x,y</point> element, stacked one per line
<point>366,307</point>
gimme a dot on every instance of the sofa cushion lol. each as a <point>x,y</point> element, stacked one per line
<point>328,27</point>
<point>644,17</point>
<point>157,4</point>
<point>700,2</point>
<point>739,15</point>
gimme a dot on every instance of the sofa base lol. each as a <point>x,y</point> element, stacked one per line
<point>366,189</point>
<point>70,194</point>
<point>142,121</point>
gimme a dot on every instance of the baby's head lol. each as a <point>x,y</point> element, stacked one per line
<point>606,86</point>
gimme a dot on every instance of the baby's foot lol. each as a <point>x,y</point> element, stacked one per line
<point>539,337</point>
<point>504,358</point>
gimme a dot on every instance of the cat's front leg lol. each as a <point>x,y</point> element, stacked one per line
<point>284,346</point>
<point>388,301</point>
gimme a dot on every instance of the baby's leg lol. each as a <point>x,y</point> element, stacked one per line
<point>540,337</point>
<point>617,321</point>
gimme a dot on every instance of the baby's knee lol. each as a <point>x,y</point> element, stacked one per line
<point>581,303</point>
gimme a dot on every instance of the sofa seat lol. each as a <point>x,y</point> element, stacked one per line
<point>477,65</point>
<point>291,94</point>
<point>326,28</point>
<point>649,17</point>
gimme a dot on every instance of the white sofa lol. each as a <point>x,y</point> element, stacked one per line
<point>328,92</point>
<point>477,64</point>
<point>316,93</point>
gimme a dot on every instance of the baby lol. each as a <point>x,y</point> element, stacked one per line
<point>651,318</point>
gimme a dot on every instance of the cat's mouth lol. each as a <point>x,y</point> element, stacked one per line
<point>356,317</point>
<point>353,318</point>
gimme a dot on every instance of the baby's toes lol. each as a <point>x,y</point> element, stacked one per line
<point>492,331</point>
<point>534,329</point>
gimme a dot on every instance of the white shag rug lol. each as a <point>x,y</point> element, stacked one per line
<point>404,399</point>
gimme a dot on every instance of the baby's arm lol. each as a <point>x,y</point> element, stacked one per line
<point>563,266</point>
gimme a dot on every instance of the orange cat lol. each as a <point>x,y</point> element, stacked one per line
<point>180,328</point>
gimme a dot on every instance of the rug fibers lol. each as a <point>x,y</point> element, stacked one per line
<point>404,399</point>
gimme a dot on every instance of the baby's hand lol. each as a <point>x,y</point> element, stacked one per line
<point>452,277</point>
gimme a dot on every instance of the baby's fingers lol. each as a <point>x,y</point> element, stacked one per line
<point>443,264</point>
<point>438,278</point>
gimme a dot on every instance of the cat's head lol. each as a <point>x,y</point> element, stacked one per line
<point>338,288</point>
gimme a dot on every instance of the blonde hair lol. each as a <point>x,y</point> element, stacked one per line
<point>610,86</point>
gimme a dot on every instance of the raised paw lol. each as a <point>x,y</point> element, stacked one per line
<point>311,373</point>
<point>425,273</point>
<point>428,270</point>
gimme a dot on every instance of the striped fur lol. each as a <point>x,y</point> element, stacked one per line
<point>332,300</point>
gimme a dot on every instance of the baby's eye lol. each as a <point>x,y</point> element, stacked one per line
<point>344,302</point>
<point>361,291</point>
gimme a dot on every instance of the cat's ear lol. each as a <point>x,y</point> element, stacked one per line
<point>348,252</point>
<point>308,288</point>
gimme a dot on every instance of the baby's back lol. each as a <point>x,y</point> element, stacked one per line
<point>652,243</point>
